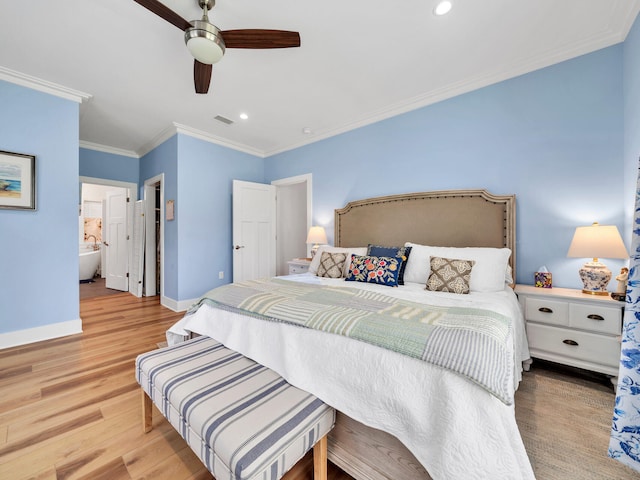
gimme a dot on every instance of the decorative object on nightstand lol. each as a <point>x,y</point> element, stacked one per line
<point>317,236</point>
<point>596,241</point>
<point>572,328</point>
<point>542,278</point>
<point>621,291</point>
<point>299,265</point>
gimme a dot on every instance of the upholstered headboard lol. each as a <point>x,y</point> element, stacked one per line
<point>447,218</point>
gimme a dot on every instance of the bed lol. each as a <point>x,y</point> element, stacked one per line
<point>399,416</point>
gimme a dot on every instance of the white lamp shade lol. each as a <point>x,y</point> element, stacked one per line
<point>317,235</point>
<point>597,241</point>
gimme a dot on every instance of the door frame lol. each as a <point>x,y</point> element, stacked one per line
<point>133,197</point>
<point>149,191</point>
<point>305,178</point>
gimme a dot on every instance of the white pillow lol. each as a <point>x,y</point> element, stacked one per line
<point>487,275</point>
<point>313,268</point>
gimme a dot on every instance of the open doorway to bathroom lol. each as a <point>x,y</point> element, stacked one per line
<point>103,269</point>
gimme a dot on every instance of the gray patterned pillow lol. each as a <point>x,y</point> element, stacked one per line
<point>450,275</point>
<point>332,265</point>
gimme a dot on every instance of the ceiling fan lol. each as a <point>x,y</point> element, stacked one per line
<point>207,43</point>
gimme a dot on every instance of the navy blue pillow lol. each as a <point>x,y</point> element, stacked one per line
<point>370,269</point>
<point>403,252</point>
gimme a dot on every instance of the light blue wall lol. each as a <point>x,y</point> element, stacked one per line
<point>631,120</point>
<point>39,249</point>
<point>564,139</point>
<point>553,137</point>
<point>198,176</point>
<point>203,210</point>
<point>109,166</point>
<point>164,159</point>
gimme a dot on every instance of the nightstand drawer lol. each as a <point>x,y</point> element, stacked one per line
<point>586,346</point>
<point>295,269</point>
<point>547,311</point>
<point>298,265</point>
<point>596,318</point>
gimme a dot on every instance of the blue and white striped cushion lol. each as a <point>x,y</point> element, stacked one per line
<point>243,420</point>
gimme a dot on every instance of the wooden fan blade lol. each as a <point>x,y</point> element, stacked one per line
<point>255,38</point>
<point>201,76</point>
<point>165,13</point>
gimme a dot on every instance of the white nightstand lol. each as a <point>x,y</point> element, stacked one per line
<point>573,328</point>
<point>298,265</point>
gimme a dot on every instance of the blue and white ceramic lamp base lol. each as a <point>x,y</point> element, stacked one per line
<point>595,278</point>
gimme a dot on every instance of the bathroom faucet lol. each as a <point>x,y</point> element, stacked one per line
<point>95,241</point>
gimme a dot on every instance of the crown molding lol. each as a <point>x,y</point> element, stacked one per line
<point>603,40</point>
<point>106,149</point>
<point>199,134</point>
<point>45,86</point>
<point>208,137</point>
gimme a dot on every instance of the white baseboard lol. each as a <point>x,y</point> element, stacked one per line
<point>37,334</point>
<point>177,306</point>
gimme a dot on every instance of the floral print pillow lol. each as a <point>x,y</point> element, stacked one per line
<point>370,269</point>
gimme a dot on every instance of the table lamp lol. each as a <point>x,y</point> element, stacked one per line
<point>596,241</point>
<point>316,235</point>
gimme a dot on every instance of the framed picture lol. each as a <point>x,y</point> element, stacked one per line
<point>17,181</point>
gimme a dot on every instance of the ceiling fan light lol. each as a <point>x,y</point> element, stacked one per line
<point>204,42</point>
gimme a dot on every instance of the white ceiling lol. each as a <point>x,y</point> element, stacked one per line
<point>360,61</point>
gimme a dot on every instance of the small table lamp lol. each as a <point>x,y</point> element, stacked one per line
<point>316,235</point>
<point>597,241</point>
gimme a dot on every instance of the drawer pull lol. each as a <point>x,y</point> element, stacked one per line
<point>545,310</point>
<point>593,316</point>
<point>570,342</point>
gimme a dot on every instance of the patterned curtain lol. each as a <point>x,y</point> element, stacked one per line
<point>625,431</point>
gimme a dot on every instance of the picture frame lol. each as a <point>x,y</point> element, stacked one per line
<point>17,181</point>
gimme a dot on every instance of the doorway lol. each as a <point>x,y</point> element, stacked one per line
<point>93,194</point>
<point>293,219</point>
<point>154,236</point>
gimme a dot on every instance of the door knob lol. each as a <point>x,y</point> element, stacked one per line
<point>238,247</point>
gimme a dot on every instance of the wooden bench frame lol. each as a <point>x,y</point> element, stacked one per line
<point>319,449</point>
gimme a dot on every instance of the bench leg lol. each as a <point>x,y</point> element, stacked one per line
<point>147,412</point>
<point>320,459</point>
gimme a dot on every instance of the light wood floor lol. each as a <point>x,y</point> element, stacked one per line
<point>70,409</point>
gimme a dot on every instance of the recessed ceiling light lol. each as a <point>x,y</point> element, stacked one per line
<point>307,131</point>
<point>442,8</point>
<point>244,116</point>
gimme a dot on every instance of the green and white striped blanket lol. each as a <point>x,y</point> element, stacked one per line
<point>472,342</point>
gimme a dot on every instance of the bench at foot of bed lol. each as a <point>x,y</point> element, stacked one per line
<point>241,419</point>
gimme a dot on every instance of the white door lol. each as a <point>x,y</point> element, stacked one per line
<point>254,231</point>
<point>116,242</point>
<point>137,254</point>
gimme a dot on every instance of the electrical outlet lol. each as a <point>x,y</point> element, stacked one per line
<point>220,275</point>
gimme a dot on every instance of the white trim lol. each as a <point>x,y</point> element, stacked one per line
<point>177,306</point>
<point>104,148</point>
<point>149,206</point>
<point>156,141</point>
<point>167,133</point>
<point>45,86</point>
<point>208,137</point>
<point>133,187</point>
<point>37,334</point>
<point>605,40</point>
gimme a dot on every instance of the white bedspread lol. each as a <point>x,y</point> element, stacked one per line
<point>453,427</point>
